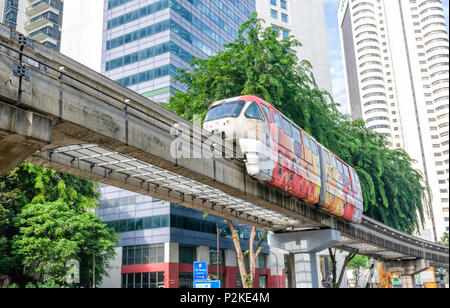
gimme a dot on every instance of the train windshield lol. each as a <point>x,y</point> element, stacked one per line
<point>225,110</point>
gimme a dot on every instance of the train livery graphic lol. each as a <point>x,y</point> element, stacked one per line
<point>281,154</point>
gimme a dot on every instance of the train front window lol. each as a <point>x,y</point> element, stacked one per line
<point>225,110</point>
<point>266,112</point>
<point>253,112</point>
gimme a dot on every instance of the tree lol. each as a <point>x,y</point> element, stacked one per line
<point>358,264</point>
<point>336,280</point>
<point>51,234</point>
<point>443,272</point>
<point>444,239</point>
<point>259,63</point>
<point>31,188</point>
<point>247,277</point>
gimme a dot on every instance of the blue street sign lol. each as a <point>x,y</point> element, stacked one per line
<point>200,270</point>
<point>211,284</point>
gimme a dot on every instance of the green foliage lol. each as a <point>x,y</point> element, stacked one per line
<point>259,63</point>
<point>358,262</point>
<point>52,233</point>
<point>46,218</point>
<point>444,239</point>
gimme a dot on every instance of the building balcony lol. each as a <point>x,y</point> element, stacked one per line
<point>39,7</point>
<point>38,23</point>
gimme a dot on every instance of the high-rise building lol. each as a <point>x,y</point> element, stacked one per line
<point>145,42</point>
<point>40,20</point>
<point>396,55</point>
<point>82,30</point>
<point>304,20</point>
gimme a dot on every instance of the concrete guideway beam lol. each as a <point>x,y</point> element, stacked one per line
<point>406,267</point>
<point>22,133</point>
<point>303,248</point>
<point>306,242</point>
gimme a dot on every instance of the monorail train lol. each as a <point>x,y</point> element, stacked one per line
<point>281,154</point>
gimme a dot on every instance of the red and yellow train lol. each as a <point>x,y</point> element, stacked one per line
<point>281,154</point>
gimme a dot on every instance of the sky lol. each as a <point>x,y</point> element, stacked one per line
<point>334,46</point>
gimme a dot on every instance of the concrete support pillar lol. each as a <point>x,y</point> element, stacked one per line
<point>406,270</point>
<point>22,133</point>
<point>407,281</point>
<point>291,278</point>
<point>303,248</point>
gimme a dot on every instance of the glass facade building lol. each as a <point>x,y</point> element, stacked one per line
<point>145,42</point>
<point>160,241</point>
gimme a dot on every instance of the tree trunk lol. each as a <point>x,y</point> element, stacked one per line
<point>240,254</point>
<point>337,282</point>
<point>248,279</point>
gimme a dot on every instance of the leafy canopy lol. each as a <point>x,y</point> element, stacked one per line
<point>259,63</point>
<point>51,234</point>
<point>46,219</point>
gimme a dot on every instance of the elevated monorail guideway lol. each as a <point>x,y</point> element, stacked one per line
<point>105,132</point>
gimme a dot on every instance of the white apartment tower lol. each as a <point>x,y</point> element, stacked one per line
<point>305,20</point>
<point>40,20</point>
<point>396,56</point>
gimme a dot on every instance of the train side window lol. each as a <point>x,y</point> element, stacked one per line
<point>314,147</point>
<point>355,177</point>
<point>339,164</point>
<point>296,135</point>
<point>287,127</point>
<point>306,140</point>
<point>326,157</point>
<point>277,119</point>
<point>346,171</point>
<point>333,160</point>
<point>253,112</point>
<point>266,112</point>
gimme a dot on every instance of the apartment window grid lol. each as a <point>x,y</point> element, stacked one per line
<point>274,12</point>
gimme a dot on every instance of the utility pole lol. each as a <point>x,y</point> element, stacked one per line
<point>217,252</point>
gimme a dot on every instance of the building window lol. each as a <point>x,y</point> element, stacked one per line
<point>186,280</point>
<point>283,5</point>
<point>239,284</point>
<point>262,282</point>
<point>274,14</point>
<point>262,261</point>
<point>145,254</point>
<point>285,33</point>
<point>143,280</point>
<point>187,255</point>
<point>213,256</point>
<point>273,2</point>
<point>284,17</point>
